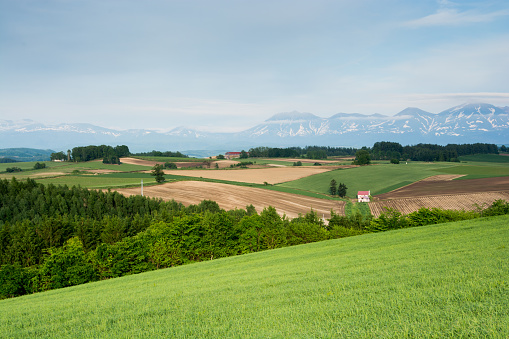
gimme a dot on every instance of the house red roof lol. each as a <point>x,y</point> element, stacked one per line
<point>363,193</point>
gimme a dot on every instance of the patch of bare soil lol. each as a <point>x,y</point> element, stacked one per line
<point>134,161</point>
<point>443,177</point>
<point>258,176</point>
<point>224,163</point>
<point>100,171</point>
<point>230,197</point>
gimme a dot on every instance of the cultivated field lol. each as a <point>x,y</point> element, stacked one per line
<point>257,175</point>
<point>467,202</point>
<point>231,197</point>
<point>448,187</point>
<point>439,281</point>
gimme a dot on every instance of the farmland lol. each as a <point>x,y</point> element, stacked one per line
<point>232,197</point>
<point>304,187</point>
<point>259,176</point>
<point>376,178</point>
<point>469,201</point>
<point>443,281</point>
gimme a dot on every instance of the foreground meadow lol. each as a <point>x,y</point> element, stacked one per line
<point>441,281</point>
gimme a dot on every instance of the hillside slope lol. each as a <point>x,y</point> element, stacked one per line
<point>441,281</point>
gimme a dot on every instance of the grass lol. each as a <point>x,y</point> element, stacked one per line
<point>440,281</point>
<point>170,159</point>
<point>378,179</point>
<point>485,158</point>
<point>362,208</point>
<point>476,172</point>
<point>100,181</point>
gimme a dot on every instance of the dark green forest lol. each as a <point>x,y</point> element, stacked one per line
<point>384,150</point>
<point>56,236</point>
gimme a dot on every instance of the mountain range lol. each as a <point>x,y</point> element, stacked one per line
<point>468,123</point>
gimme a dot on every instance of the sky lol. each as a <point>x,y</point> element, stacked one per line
<point>227,65</point>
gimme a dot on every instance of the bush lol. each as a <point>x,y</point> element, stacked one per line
<point>298,163</point>
<point>38,165</point>
<point>13,169</point>
<point>394,161</point>
<point>391,219</point>
<point>170,165</point>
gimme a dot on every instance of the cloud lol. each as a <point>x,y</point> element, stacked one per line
<point>448,15</point>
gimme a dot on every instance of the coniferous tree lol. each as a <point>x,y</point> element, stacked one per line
<point>333,187</point>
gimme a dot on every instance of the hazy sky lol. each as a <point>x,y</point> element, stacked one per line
<point>228,65</point>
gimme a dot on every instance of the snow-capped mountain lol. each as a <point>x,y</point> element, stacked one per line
<point>468,123</point>
<point>462,124</point>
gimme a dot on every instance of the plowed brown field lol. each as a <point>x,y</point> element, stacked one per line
<point>442,192</point>
<point>467,202</point>
<point>231,197</point>
<point>429,187</point>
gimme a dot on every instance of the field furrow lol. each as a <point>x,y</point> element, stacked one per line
<point>471,201</point>
<point>231,197</point>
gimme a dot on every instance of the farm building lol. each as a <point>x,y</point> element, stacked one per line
<point>232,155</point>
<point>363,196</point>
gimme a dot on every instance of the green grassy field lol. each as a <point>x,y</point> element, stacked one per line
<point>170,159</point>
<point>101,181</point>
<point>378,179</point>
<point>485,158</point>
<point>476,172</point>
<point>440,281</point>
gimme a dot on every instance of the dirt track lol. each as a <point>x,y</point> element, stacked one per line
<point>231,197</point>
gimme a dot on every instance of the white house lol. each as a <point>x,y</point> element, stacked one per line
<point>363,196</point>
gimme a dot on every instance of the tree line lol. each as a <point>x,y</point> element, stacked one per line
<point>56,236</point>
<point>109,154</point>
<point>168,154</point>
<point>309,152</point>
<point>428,152</point>
<point>383,150</point>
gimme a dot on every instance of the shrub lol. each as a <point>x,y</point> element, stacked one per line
<point>13,169</point>
<point>38,165</point>
<point>170,165</point>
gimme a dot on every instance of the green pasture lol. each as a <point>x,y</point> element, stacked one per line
<point>70,166</point>
<point>378,179</point>
<point>29,166</point>
<point>100,181</point>
<point>283,162</point>
<point>170,159</point>
<point>491,158</point>
<point>476,172</point>
<point>440,281</point>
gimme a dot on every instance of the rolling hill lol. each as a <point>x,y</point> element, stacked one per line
<point>440,281</point>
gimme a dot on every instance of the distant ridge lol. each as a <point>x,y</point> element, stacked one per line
<point>466,123</point>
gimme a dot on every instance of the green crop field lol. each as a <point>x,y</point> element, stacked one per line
<point>99,181</point>
<point>170,159</point>
<point>376,178</point>
<point>485,158</point>
<point>478,171</point>
<point>440,281</point>
<point>28,166</point>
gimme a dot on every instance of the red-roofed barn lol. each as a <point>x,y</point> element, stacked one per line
<point>363,196</point>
